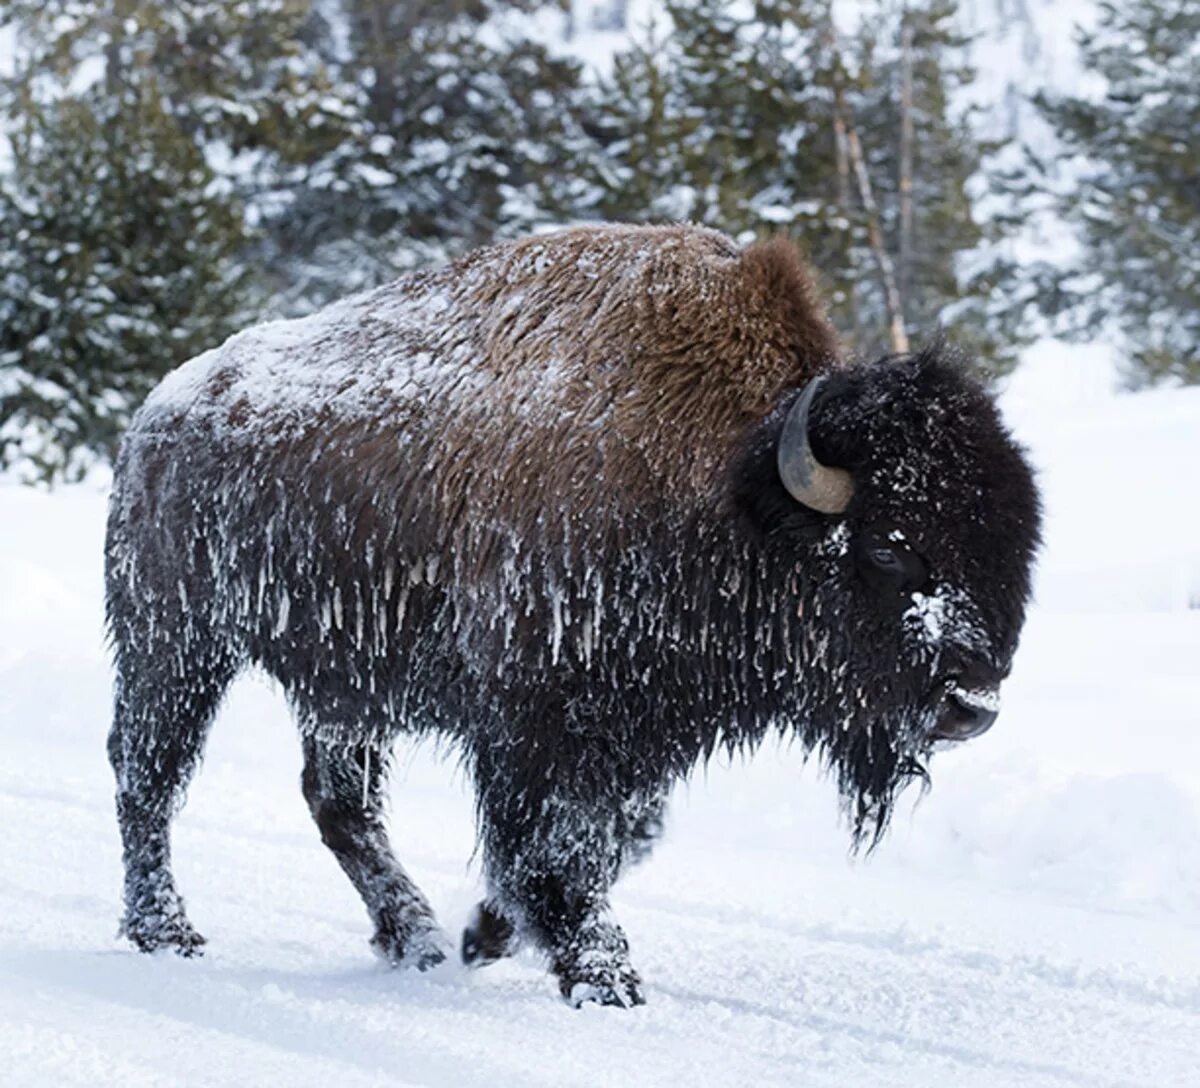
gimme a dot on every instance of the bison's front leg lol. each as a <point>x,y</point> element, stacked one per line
<point>491,935</point>
<point>556,887</point>
<point>551,859</point>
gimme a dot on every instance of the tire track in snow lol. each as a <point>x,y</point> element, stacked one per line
<point>1073,977</point>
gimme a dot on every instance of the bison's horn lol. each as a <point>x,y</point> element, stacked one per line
<point>809,482</point>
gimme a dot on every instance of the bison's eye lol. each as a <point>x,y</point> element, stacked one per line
<point>888,563</point>
<point>886,559</point>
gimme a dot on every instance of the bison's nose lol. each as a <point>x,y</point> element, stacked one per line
<point>966,712</point>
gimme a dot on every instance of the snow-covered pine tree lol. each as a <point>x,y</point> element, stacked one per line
<point>725,120</point>
<point>237,75</point>
<point>1133,188</point>
<point>909,66</point>
<point>120,261</point>
<point>146,138</point>
<point>452,124</point>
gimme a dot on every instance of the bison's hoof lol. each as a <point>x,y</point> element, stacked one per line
<point>599,976</point>
<point>624,992</point>
<point>488,937</point>
<point>422,948</point>
<point>150,934</point>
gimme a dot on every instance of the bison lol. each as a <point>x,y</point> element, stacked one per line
<point>590,506</point>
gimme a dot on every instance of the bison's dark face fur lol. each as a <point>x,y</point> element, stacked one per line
<point>919,589</point>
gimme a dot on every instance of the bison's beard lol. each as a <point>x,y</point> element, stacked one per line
<point>872,762</point>
<point>872,735</point>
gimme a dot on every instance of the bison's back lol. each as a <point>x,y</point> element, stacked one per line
<point>553,348</point>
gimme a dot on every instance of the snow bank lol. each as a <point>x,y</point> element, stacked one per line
<point>1117,470</point>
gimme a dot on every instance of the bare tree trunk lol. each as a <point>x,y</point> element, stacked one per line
<point>896,331</point>
<point>842,161</point>
<point>842,158</point>
<point>904,272</point>
<point>114,62</point>
<point>840,150</point>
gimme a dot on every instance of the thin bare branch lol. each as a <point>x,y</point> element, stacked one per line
<point>904,256</point>
<point>896,331</point>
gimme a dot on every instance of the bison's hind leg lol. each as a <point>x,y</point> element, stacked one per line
<point>343,784</point>
<point>489,935</point>
<point>166,697</point>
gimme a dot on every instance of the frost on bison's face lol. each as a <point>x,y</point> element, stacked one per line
<point>913,595</point>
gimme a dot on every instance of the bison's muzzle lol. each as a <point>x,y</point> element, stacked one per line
<point>965,708</point>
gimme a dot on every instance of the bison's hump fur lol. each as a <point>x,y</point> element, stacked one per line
<point>528,502</point>
<point>493,365</point>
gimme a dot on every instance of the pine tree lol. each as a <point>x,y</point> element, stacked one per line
<point>121,263</point>
<point>951,268</point>
<point>234,73</point>
<point>452,128</point>
<point>710,122</point>
<point>1134,189</point>
<point>127,249</point>
<point>725,121</point>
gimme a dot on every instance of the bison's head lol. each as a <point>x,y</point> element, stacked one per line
<point>909,519</point>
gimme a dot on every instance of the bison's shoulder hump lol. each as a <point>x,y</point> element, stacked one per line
<point>571,322</point>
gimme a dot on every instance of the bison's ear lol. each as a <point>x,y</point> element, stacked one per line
<point>820,487</point>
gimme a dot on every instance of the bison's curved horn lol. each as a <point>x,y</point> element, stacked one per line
<point>827,490</point>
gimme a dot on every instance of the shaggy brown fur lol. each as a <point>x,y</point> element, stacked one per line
<point>652,337</point>
<point>660,336</point>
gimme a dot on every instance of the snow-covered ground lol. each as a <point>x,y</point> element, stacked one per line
<point>1035,920</point>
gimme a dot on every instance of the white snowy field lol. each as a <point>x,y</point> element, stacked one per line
<point>1034,921</point>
